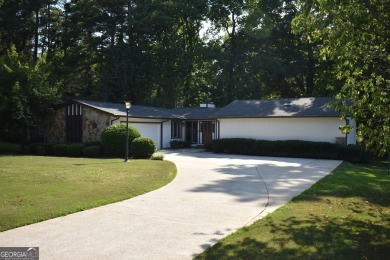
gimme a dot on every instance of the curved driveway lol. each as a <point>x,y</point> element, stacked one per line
<point>212,196</point>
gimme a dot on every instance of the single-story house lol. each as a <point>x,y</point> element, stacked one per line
<point>309,119</point>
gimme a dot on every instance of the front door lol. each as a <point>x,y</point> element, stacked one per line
<point>207,131</point>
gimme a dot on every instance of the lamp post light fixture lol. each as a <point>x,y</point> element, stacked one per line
<point>128,105</point>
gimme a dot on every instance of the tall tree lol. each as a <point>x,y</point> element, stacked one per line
<point>268,59</point>
<point>25,94</point>
<point>226,16</point>
<point>355,37</point>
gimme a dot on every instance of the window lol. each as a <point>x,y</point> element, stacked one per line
<point>175,129</point>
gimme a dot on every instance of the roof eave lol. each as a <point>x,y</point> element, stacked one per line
<point>308,116</point>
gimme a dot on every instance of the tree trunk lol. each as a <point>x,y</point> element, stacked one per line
<point>310,71</point>
<point>36,36</point>
<point>231,95</point>
<point>48,24</point>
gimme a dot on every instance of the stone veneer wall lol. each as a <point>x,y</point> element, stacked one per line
<point>54,127</point>
<point>94,123</point>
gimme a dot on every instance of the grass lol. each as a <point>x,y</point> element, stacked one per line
<point>346,215</point>
<point>36,188</point>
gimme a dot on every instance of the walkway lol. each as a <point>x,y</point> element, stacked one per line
<point>212,196</point>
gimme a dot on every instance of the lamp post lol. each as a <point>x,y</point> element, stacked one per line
<point>128,105</point>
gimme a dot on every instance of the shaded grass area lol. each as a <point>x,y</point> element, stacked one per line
<point>346,215</point>
<point>36,188</point>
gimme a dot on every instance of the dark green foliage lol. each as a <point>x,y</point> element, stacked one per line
<point>208,146</point>
<point>49,149</point>
<point>40,150</point>
<point>26,95</point>
<point>297,148</point>
<point>354,37</point>
<point>6,147</point>
<point>114,139</point>
<point>153,53</point>
<point>92,151</point>
<point>93,143</point>
<point>235,146</point>
<point>31,148</point>
<point>290,148</point>
<point>25,148</point>
<point>60,150</point>
<point>75,150</point>
<point>355,154</point>
<point>177,144</point>
<point>142,147</point>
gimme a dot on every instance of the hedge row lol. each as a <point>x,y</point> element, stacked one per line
<point>178,144</point>
<point>290,148</point>
<point>140,148</point>
<point>88,149</point>
<point>113,144</point>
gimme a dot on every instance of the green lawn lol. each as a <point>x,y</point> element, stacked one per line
<point>35,188</point>
<point>346,215</point>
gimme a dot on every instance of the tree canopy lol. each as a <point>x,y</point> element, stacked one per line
<point>183,52</point>
<point>354,36</point>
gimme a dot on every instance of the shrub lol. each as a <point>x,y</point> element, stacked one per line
<point>297,148</point>
<point>93,143</point>
<point>40,150</point>
<point>208,146</point>
<point>142,147</point>
<point>157,156</point>
<point>6,147</point>
<point>25,148</point>
<point>178,144</point>
<point>114,139</point>
<point>290,148</point>
<point>49,149</point>
<point>75,150</point>
<point>354,154</point>
<point>60,150</point>
<point>31,148</point>
<point>92,151</point>
<point>234,145</point>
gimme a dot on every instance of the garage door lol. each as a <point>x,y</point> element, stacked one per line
<point>149,130</point>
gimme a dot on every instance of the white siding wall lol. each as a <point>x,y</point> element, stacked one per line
<point>147,127</point>
<point>309,129</point>
<point>151,130</point>
<point>166,134</point>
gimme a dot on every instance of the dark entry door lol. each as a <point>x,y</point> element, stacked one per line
<point>207,131</point>
<point>192,132</point>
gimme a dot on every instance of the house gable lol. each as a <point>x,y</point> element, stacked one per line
<point>94,123</point>
<point>54,126</point>
<point>74,122</point>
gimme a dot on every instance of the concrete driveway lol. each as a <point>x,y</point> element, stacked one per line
<point>212,196</point>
